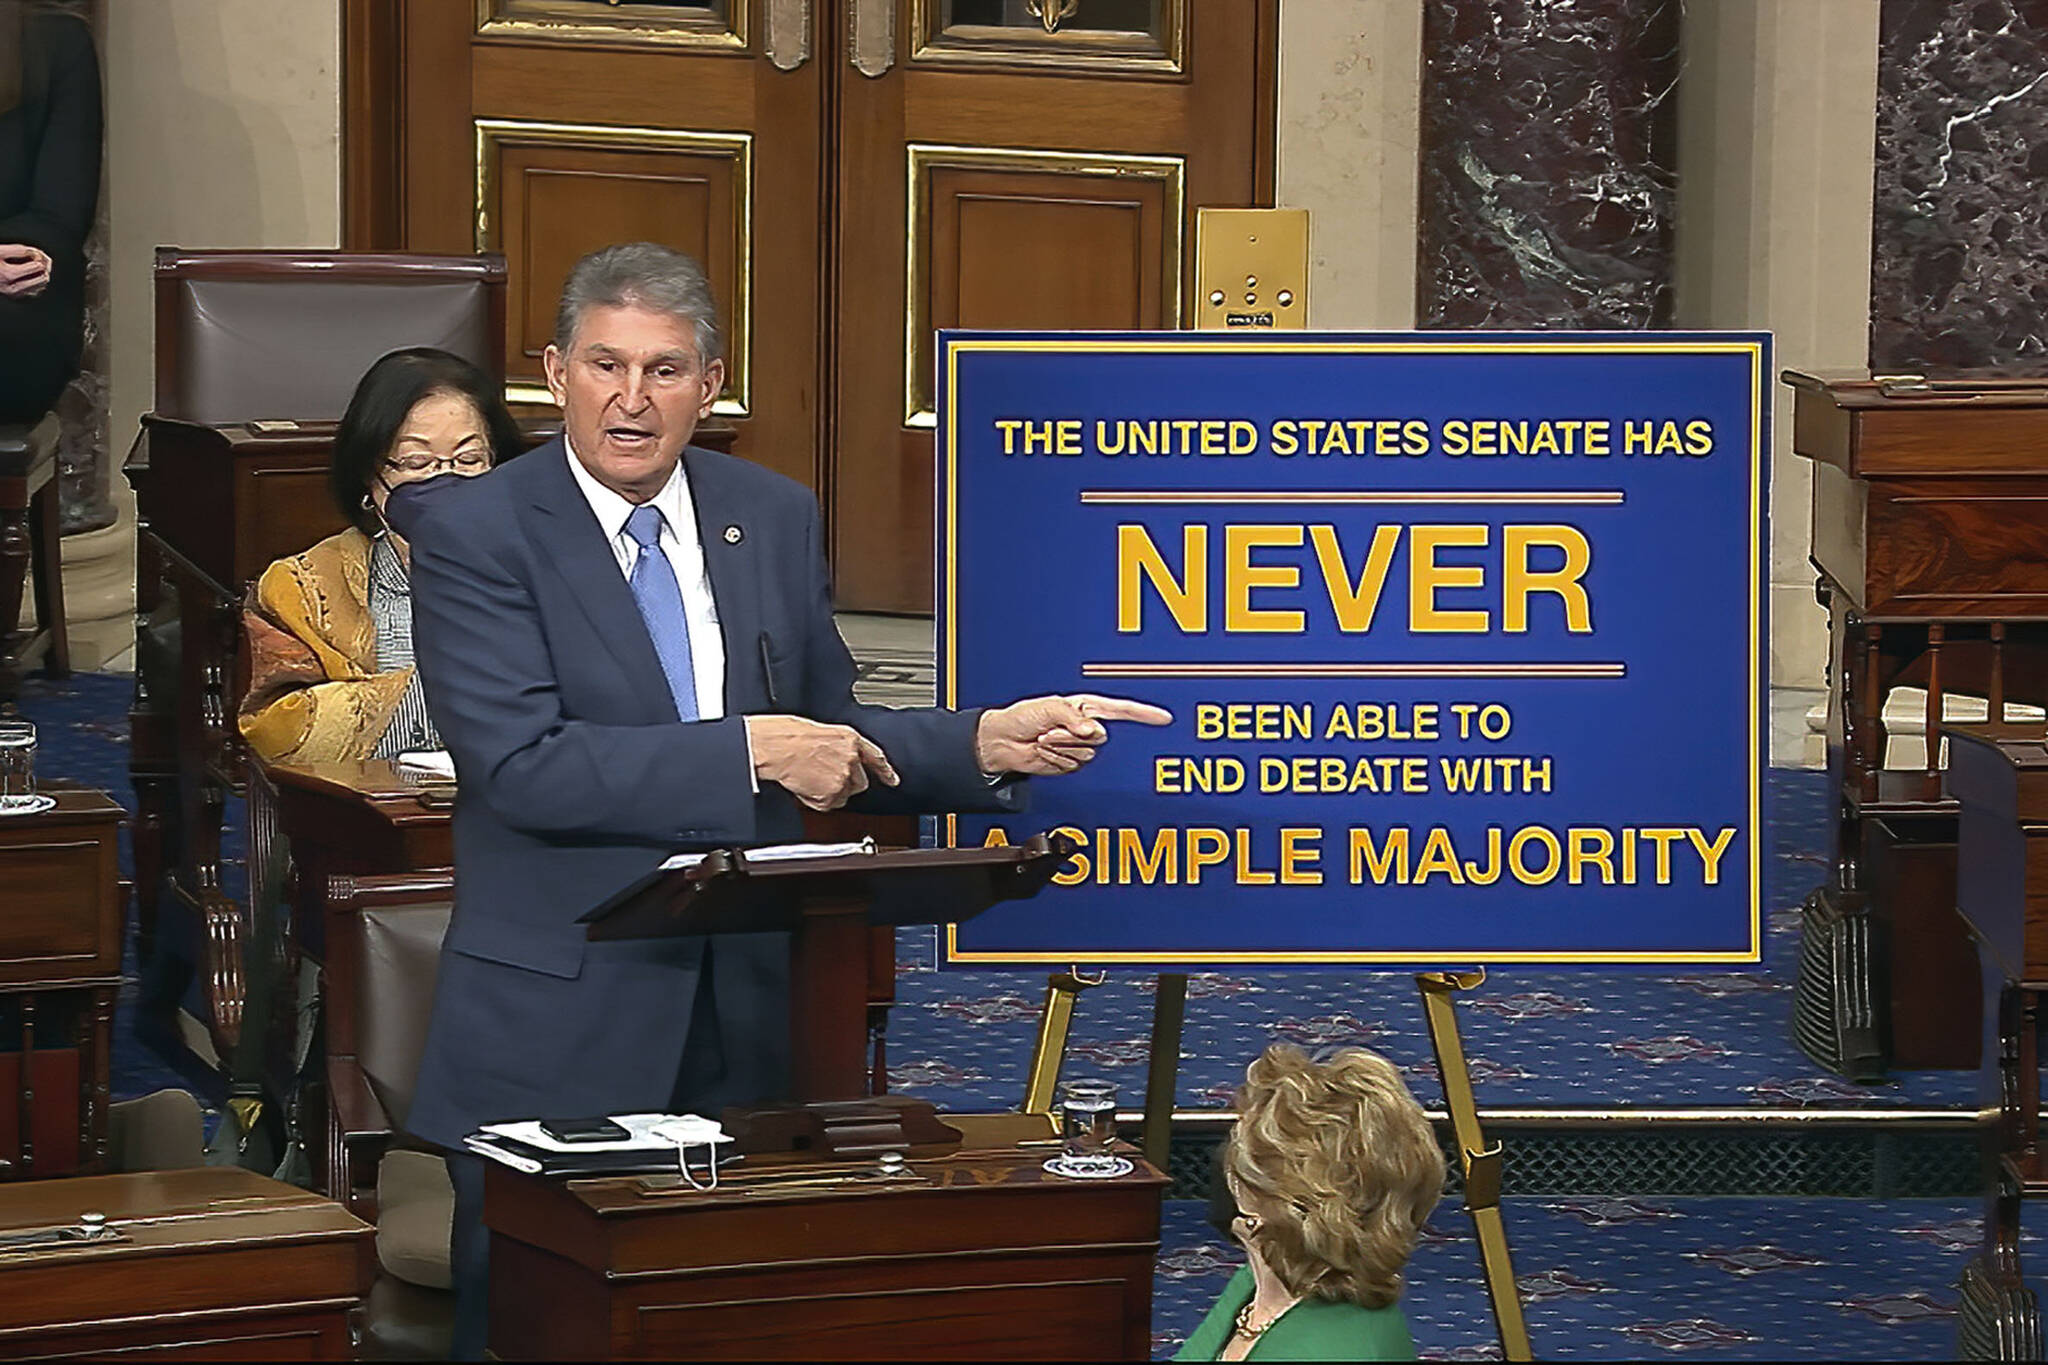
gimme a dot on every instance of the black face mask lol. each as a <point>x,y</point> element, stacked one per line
<point>403,504</point>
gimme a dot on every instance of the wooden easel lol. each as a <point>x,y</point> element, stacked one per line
<point>1479,1161</point>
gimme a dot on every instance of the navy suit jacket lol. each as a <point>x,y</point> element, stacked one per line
<point>576,779</point>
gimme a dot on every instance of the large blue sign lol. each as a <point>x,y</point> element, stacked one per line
<point>1463,635</point>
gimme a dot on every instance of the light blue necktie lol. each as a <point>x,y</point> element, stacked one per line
<point>660,600</point>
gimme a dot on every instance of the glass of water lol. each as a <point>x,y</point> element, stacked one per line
<point>17,765</point>
<point>1087,1129</point>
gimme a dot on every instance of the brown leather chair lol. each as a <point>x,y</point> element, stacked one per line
<point>383,948</point>
<point>284,335</point>
<point>377,983</point>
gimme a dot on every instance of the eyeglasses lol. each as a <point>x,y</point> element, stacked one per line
<point>470,462</point>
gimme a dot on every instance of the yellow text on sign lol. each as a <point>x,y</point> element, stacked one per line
<point>1193,582</point>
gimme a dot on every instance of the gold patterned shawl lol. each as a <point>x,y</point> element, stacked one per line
<point>314,690</point>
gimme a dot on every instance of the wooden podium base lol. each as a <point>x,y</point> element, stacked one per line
<point>974,1255</point>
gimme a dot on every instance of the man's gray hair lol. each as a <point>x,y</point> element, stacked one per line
<point>643,275</point>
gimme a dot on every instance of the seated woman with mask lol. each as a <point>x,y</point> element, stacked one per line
<point>1334,1170</point>
<point>330,630</point>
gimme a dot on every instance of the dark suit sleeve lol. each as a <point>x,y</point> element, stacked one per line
<point>490,684</point>
<point>931,748</point>
<point>64,186</point>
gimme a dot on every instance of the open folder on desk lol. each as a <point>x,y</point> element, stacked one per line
<point>652,1144</point>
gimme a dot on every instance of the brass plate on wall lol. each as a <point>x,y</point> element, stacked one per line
<point>1251,268</point>
<point>1169,173</point>
<point>493,136</point>
<point>1097,52</point>
<point>719,24</point>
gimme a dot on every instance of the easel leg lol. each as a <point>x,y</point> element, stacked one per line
<point>1162,1068</point>
<point>1481,1163</point>
<point>1055,1020</point>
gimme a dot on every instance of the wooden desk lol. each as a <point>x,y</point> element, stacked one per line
<point>60,970</point>
<point>214,506</point>
<point>976,1255</point>
<point>1930,536</point>
<point>215,1263</point>
<point>2002,891</point>
<point>355,819</point>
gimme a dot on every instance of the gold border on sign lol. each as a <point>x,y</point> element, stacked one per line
<point>1307,344</point>
<point>559,21</point>
<point>924,157</point>
<point>494,133</point>
<point>1093,52</point>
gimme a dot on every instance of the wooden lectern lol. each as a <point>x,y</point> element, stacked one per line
<point>1930,536</point>
<point>826,905</point>
<point>972,1254</point>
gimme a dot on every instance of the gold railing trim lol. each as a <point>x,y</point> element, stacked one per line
<point>1096,51</point>
<point>541,21</point>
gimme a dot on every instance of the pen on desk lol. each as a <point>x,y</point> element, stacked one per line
<point>768,672</point>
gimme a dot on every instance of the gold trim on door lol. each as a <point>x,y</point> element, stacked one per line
<point>494,133</point>
<point>1094,52</point>
<point>723,25</point>
<point>924,157</point>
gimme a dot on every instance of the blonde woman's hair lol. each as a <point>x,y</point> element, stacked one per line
<point>1337,1161</point>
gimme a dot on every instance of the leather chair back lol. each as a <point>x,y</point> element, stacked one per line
<point>383,950</point>
<point>395,996</point>
<point>285,335</point>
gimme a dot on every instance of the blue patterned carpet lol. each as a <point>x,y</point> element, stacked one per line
<point>1612,1279</point>
<point>1625,1279</point>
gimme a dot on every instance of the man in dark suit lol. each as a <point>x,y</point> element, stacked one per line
<point>627,644</point>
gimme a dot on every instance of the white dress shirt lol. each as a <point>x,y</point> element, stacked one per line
<point>685,553</point>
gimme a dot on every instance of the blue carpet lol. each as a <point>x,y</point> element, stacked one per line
<point>1627,1279</point>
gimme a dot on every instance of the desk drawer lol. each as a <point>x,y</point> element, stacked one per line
<point>1956,547</point>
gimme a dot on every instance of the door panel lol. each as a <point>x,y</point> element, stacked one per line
<point>1025,163</point>
<point>550,192</point>
<point>1015,238</point>
<point>588,123</point>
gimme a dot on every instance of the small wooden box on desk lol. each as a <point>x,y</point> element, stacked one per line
<point>1930,537</point>
<point>208,1264</point>
<point>60,969</point>
<point>975,1254</point>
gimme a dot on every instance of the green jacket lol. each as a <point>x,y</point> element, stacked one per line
<point>1314,1329</point>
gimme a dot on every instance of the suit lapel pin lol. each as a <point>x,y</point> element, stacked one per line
<point>734,535</point>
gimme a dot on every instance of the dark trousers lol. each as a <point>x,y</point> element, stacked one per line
<point>698,1090</point>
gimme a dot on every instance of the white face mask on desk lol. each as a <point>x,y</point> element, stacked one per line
<point>683,1131</point>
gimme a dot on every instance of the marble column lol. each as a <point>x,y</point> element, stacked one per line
<point>1957,274</point>
<point>84,456</point>
<point>1547,154</point>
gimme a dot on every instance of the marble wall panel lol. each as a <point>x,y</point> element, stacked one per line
<point>1547,163</point>
<point>1959,275</point>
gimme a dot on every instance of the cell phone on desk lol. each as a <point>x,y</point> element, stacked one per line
<point>584,1130</point>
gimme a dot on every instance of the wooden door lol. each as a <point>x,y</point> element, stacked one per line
<point>855,173</point>
<point>546,128</point>
<point>1014,163</point>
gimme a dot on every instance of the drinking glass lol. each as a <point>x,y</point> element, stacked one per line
<point>1087,1128</point>
<point>17,765</point>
